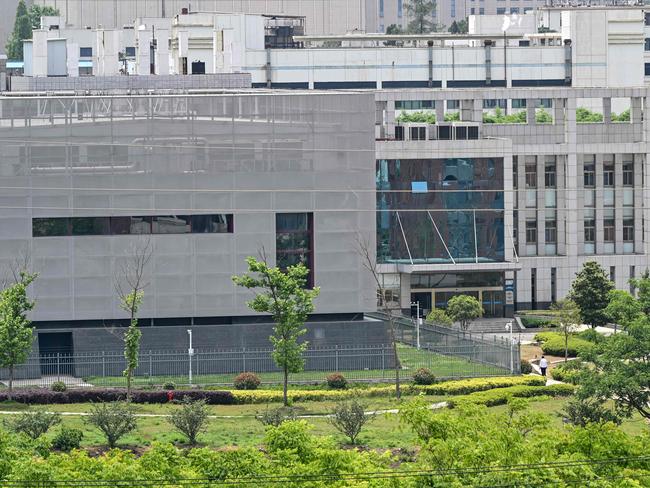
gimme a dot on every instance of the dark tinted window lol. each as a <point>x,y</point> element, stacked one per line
<point>294,241</point>
<point>202,224</point>
<point>85,52</point>
<point>90,226</point>
<point>50,227</point>
<point>171,224</point>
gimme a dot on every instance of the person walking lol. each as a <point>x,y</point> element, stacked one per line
<point>543,364</point>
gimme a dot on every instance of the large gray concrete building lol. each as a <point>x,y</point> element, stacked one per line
<point>206,180</point>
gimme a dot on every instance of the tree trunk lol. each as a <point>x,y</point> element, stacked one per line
<point>11,380</point>
<point>566,347</point>
<point>285,396</point>
<point>128,386</point>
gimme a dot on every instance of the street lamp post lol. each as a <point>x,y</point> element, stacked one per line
<point>417,323</point>
<point>509,329</point>
<point>190,353</point>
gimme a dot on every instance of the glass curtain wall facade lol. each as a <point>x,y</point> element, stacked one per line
<point>440,211</point>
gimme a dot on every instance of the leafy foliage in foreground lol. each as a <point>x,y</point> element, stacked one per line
<point>463,440</point>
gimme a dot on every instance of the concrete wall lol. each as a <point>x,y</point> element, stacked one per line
<point>249,155</point>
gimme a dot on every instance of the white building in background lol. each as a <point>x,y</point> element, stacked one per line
<point>322,16</point>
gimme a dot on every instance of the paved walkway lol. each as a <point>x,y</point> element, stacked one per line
<point>434,406</point>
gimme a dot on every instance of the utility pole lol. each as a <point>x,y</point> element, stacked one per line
<point>190,353</point>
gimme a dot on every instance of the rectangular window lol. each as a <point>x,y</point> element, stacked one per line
<point>531,232</point>
<point>90,226</point>
<point>609,232</point>
<point>495,102</point>
<point>165,224</point>
<point>628,174</point>
<point>85,52</point>
<point>400,9</point>
<point>50,227</point>
<point>500,11</point>
<point>628,230</point>
<point>589,175</point>
<point>647,18</point>
<point>608,175</point>
<point>590,230</point>
<point>515,172</point>
<point>550,232</point>
<point>418,133</point>
<point>531,176</point>
<point>472,10</point>
<point>612,273</point>
<point>518,103</point>
<point>381,8</point>
<point>294,242</point>
<point>646,66</point>
<point>514,10</point>
<point>545,103</point>
<point>553,285</point>
<point>399,133</point>
<point>549,175</point>
<point>453,9</point>
<point>453,104</point>
<point>647,43</point>
<point>129,51</point>
<point>481,11</point>
<point>533,288</point>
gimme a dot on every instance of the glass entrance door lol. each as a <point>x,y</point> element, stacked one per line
<point>492,302</point>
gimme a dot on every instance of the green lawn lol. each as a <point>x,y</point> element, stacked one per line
<point>384,431</point>
<point>411,359</point>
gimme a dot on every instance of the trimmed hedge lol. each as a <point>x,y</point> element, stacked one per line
<point>500,396</point>
<point>44,397</point>
<point>532,322</point>
<point>568,372</point>
<point>454,387</point>
<point>552,343</point>
<point>218,397</point>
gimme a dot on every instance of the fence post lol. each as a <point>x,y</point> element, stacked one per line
<point>243,353</point>
<point>58,366</point>
<point>383,362</point>
<point>150,365</point>
<point>336,361</point>
<point>103,364</point>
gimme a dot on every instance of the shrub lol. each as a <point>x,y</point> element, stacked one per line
<point>336,381</point>
<point>423,376</point>
<point>170,385</point>
<point>247,381</point>
<point>553,344</point>
<point>500,396</point>
<point>591,335</point>
<point>526,367</point>
<point>349,418</point>
<point>536,322</point>
<point>568,372</point>
<point>438,316</point>
<point>276,416</point>
<point>33,424</point>
<point>46,397</point>
<point>581,411</point>
<point>190,419</point>
<point>463,387</point>
<point>291,436</point>
<point>58,386</point>
<point>67,439</point>
<point>115,420</point>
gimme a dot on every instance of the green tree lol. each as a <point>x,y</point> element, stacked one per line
<point>622,308</point>
<point>620,370</point>
<point>22,30</point>
<point>463,309</point>
<point>284,295</point>
<point>439,317</point>
<point>590,291</point>
<point>460,27</point>
<point>26,21</point>
<point>567,320</point>
<point>394,29</point>
<point>37,11</point>
<point>130,290</point>
<point>643,286</point>
<point>420,13</point>
<point>16,331</point>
